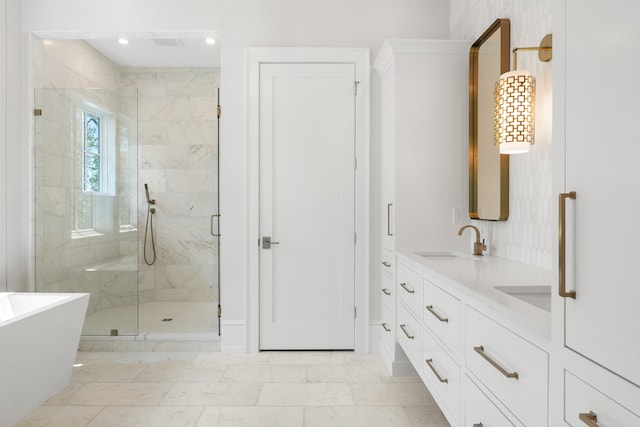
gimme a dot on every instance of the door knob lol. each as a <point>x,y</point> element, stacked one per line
<point>267,242</point>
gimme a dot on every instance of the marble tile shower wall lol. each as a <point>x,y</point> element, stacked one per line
<point>178,159</point>
<point>526,235</point>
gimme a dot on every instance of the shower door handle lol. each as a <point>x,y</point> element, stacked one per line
<point>267,242</point>
<point>217,215</point>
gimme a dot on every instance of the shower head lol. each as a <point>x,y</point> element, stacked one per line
<point>149,200</point>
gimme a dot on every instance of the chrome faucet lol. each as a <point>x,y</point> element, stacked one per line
<point>478,246</point>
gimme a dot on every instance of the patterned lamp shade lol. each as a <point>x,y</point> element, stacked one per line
<point>514,112</point>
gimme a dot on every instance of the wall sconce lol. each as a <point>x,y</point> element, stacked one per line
<point>515,104</point>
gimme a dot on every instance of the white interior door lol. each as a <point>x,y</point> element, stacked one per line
<point>307,199</point>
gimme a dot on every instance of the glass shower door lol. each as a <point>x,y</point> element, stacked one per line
<point>85,204</point>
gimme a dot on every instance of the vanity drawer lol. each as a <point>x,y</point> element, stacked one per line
<point>442,374</point>
<point>387,290</point>
<point>442,315</point>
<point>513,369</point>
<point>479,410</point>
<point>387,261</point>
<point>410,289</point>
<point>386,327</point>
<point>581,398</point>
<point>408,335</point>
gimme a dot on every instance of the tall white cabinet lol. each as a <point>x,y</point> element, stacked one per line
<point>597,147</point>
<point>424,134</point>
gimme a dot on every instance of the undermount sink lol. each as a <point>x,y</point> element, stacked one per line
<point>437,254</point>
<point>538,295</point>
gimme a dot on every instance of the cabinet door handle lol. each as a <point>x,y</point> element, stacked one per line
<point>432,311</point>
<point>389,233</point>
<point>384,326</point>
<point>480,351</point>
<point>403,327</point>
<point>590,419</point>
<point>404,286</point>
<point>433,369</point>
<point>386,264</point>
<point>562,257</point>
<point>386,291</point>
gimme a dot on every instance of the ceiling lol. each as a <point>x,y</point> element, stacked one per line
<point>187,49</point>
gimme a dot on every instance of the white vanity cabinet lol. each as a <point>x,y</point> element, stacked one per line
<point>483,354</point>
<point>596,151</point>
<point>423,139</point>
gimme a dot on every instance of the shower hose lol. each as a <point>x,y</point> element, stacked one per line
<point>148,229</point>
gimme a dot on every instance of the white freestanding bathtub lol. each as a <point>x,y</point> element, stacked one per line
<point>39,335</point>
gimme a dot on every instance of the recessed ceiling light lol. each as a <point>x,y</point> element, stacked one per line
<point>210,40</point>
<point>123,41</point>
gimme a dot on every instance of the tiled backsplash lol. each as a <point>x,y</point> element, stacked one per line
<point>526,235</point>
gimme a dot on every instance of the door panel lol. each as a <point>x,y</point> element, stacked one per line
<point>602,151</point>
<point>307,193</point>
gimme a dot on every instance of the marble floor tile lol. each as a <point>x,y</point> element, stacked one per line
<point>88,373</point>
<point>275,389</point>
<point>116,394</point>
<point>181,373</point>
<point>355,416</point>
<point>56,416</point>
<point>262,416</point>
<point>212,394</point>
<point>347,373</point>
<point>265,373</point>
<point>122,416</point>
<point>307,357</point>
<point>391,394</point>
<point>308,394</point>
<point>425,416</point>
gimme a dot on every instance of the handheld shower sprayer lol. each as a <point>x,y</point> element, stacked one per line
<point>148,229</point>
<point>149,199</point>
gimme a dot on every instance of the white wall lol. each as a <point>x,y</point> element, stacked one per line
<point>3,149</point>
<point>527,235</point>
<point>352,23</point>
<point>13,185</point>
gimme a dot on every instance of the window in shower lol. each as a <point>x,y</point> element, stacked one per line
<point>94,170</point>
<point>92,152</point>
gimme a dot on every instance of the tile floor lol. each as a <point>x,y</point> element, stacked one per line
<point>215,389</point>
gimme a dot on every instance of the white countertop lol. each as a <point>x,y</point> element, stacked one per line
<point>474,278</point>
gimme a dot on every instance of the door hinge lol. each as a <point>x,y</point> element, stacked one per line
<point>37,112</point>
<point>355,238</point>
<point>355,86</point>
<point>219,311</point>
<point>219,111</point>
<point>355,163</point>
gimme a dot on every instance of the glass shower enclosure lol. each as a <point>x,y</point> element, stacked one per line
<point>85,204</point>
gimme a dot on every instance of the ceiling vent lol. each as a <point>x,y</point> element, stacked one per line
<point>168,42</point>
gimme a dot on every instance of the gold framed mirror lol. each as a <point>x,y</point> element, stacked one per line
<point>488,169</point>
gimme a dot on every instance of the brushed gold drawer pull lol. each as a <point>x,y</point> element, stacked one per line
<point>478,425</point>
<point>404,286</point>
<point>386,264</point>
<point>432,311</point>
<point>386,291</point>
<point>590,419</point>
<point>480,351</point>
<point>405,332</point>
<point>562,244</point>
<point>384,326</point>
<point>430,364</point>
